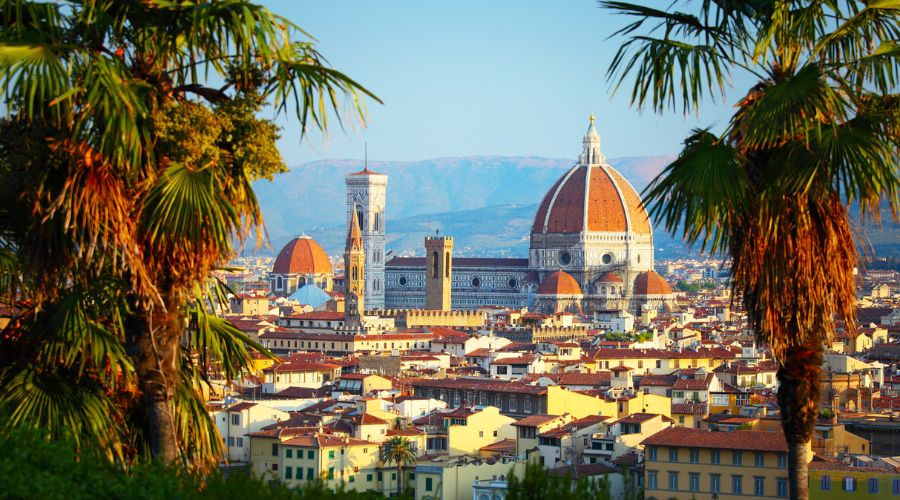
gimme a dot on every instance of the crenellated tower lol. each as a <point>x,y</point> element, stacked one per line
<point>438,272</point>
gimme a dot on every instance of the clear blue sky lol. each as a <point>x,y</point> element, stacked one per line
<point>480,78</point>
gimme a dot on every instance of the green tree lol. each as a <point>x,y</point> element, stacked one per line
<point>539,483</point>
<point>398,450</point>
<point>815,133</point>
<point>125,181</point>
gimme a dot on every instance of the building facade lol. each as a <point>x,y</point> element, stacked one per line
<point>591,226</point>
<point>366,192</point>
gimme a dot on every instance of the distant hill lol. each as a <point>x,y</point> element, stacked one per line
<point>486,202</point>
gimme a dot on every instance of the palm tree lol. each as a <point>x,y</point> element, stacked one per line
<point>817,133</point>
<point>398,450</point>
<point>126,180</point>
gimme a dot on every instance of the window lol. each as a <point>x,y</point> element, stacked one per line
<point>330,453</point>
<point>299,471</point>
<point>651,452</point>
<point>759,486</point>
<point>782,461</point>
<point>714,457</point>
<point>895,486</point>
<point>825,483</point>
<point>481,434</point>
<point>275,450</point>
<point>715,483</point>
<point>498,402</point>
<point>289,453</point>
<point>513,405</point>
<point>331,473</point>
<point>651,479</point>
<point>736,458</point>
<point>694,479</point>
<point>230,441</point>
<point>235,419</point>
<point>368,478</point>
<point>737,485</point>
<point>527,405</point>
<point>380,476</point>
<point>681,419</point>
<point>275,467</point>
<point>428,484</point>
<point>310,475</point>
<point>760,459</point>
<point>873,485</point>
<point>310,454</point>
<point>673,454</point>
<point>782,487</point>
<point>287,472</point>
<point>849,484</point>
<point>695,456</point>
<point>673,481</point>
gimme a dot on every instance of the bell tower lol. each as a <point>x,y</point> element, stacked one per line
<point>366,192</point>
<point>354,271</point>
<point>438,272</point>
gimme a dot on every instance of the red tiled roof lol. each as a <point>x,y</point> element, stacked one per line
<point>639,418</point>
<point>241,406</point>
<point>610,277</point>
<point>735,440</point>
<point>318,315</point>
<point>690,384</point>
<point>518,360</point>
<point>689,408</point>
<point>596,379</point>
<point>504,446</point>
<point>325,441</point>
<point>479,384</point>
<point>534,420</point>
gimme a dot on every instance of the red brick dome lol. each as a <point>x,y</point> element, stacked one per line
<point>651,283</point>
<point>592,198</point>
<point>302,255</point>
<point>559,283</point>
<point>610,277</point>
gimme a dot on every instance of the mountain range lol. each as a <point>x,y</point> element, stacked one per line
<point>487,203</point>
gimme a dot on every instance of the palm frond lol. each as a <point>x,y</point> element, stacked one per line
<point>700,192</point>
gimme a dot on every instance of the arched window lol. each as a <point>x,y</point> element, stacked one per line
<point>279,284</point>
<point>447,265</point>
<point>355,273</point>
<point>434,265</point>
<point>361,217</point>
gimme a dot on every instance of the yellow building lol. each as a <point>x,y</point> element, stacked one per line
<point>835,480</point>
<point>334,459</point>
<point>686,463</point>
<point>452,477</point>
<point>830,439</point>
<point>469,432</point>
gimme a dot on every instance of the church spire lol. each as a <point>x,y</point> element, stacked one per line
<point>591,154</point>
<point>354,235</point>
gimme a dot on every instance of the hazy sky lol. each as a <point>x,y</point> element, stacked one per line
<point>480,78</point>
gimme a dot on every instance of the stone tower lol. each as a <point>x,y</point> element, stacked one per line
<point>354,271</point>
<point>366,198</point>
<point>438,272</point>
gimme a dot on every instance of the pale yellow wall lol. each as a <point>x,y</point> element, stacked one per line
<point>748,470</point>
<point>261,458</point>
<point>479,431</point>
<point>364,457</point>
<point>456,482</point>
<point>560,401</point>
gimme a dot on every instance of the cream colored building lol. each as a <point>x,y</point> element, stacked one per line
<point>452,477</point>
<point>683,463</point>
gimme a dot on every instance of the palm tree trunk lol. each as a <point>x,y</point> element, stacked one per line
<point>399,478</point>
<point>154,340</point>
<point>798,397</point>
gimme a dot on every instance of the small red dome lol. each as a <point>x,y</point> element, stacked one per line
<point>302,256</point>
<point>559,283</point>
<point>610,277</point>
<point>651,283</point>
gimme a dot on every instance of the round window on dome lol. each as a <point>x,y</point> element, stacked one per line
<point>403,281</point>
<point>565,258</point>
<point>607,258</point>
<point>513,283</point>
<point>476,282</point>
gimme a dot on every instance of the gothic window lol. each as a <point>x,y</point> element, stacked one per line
<point>361,217</point>
<point>377,221</point>
<point>279,284</point>
<point>434,265</point>
<point>447,265</point>
<point>355,274</point>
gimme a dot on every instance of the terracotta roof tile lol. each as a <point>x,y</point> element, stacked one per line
<point>302,256</point>
<point>734,440</point>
